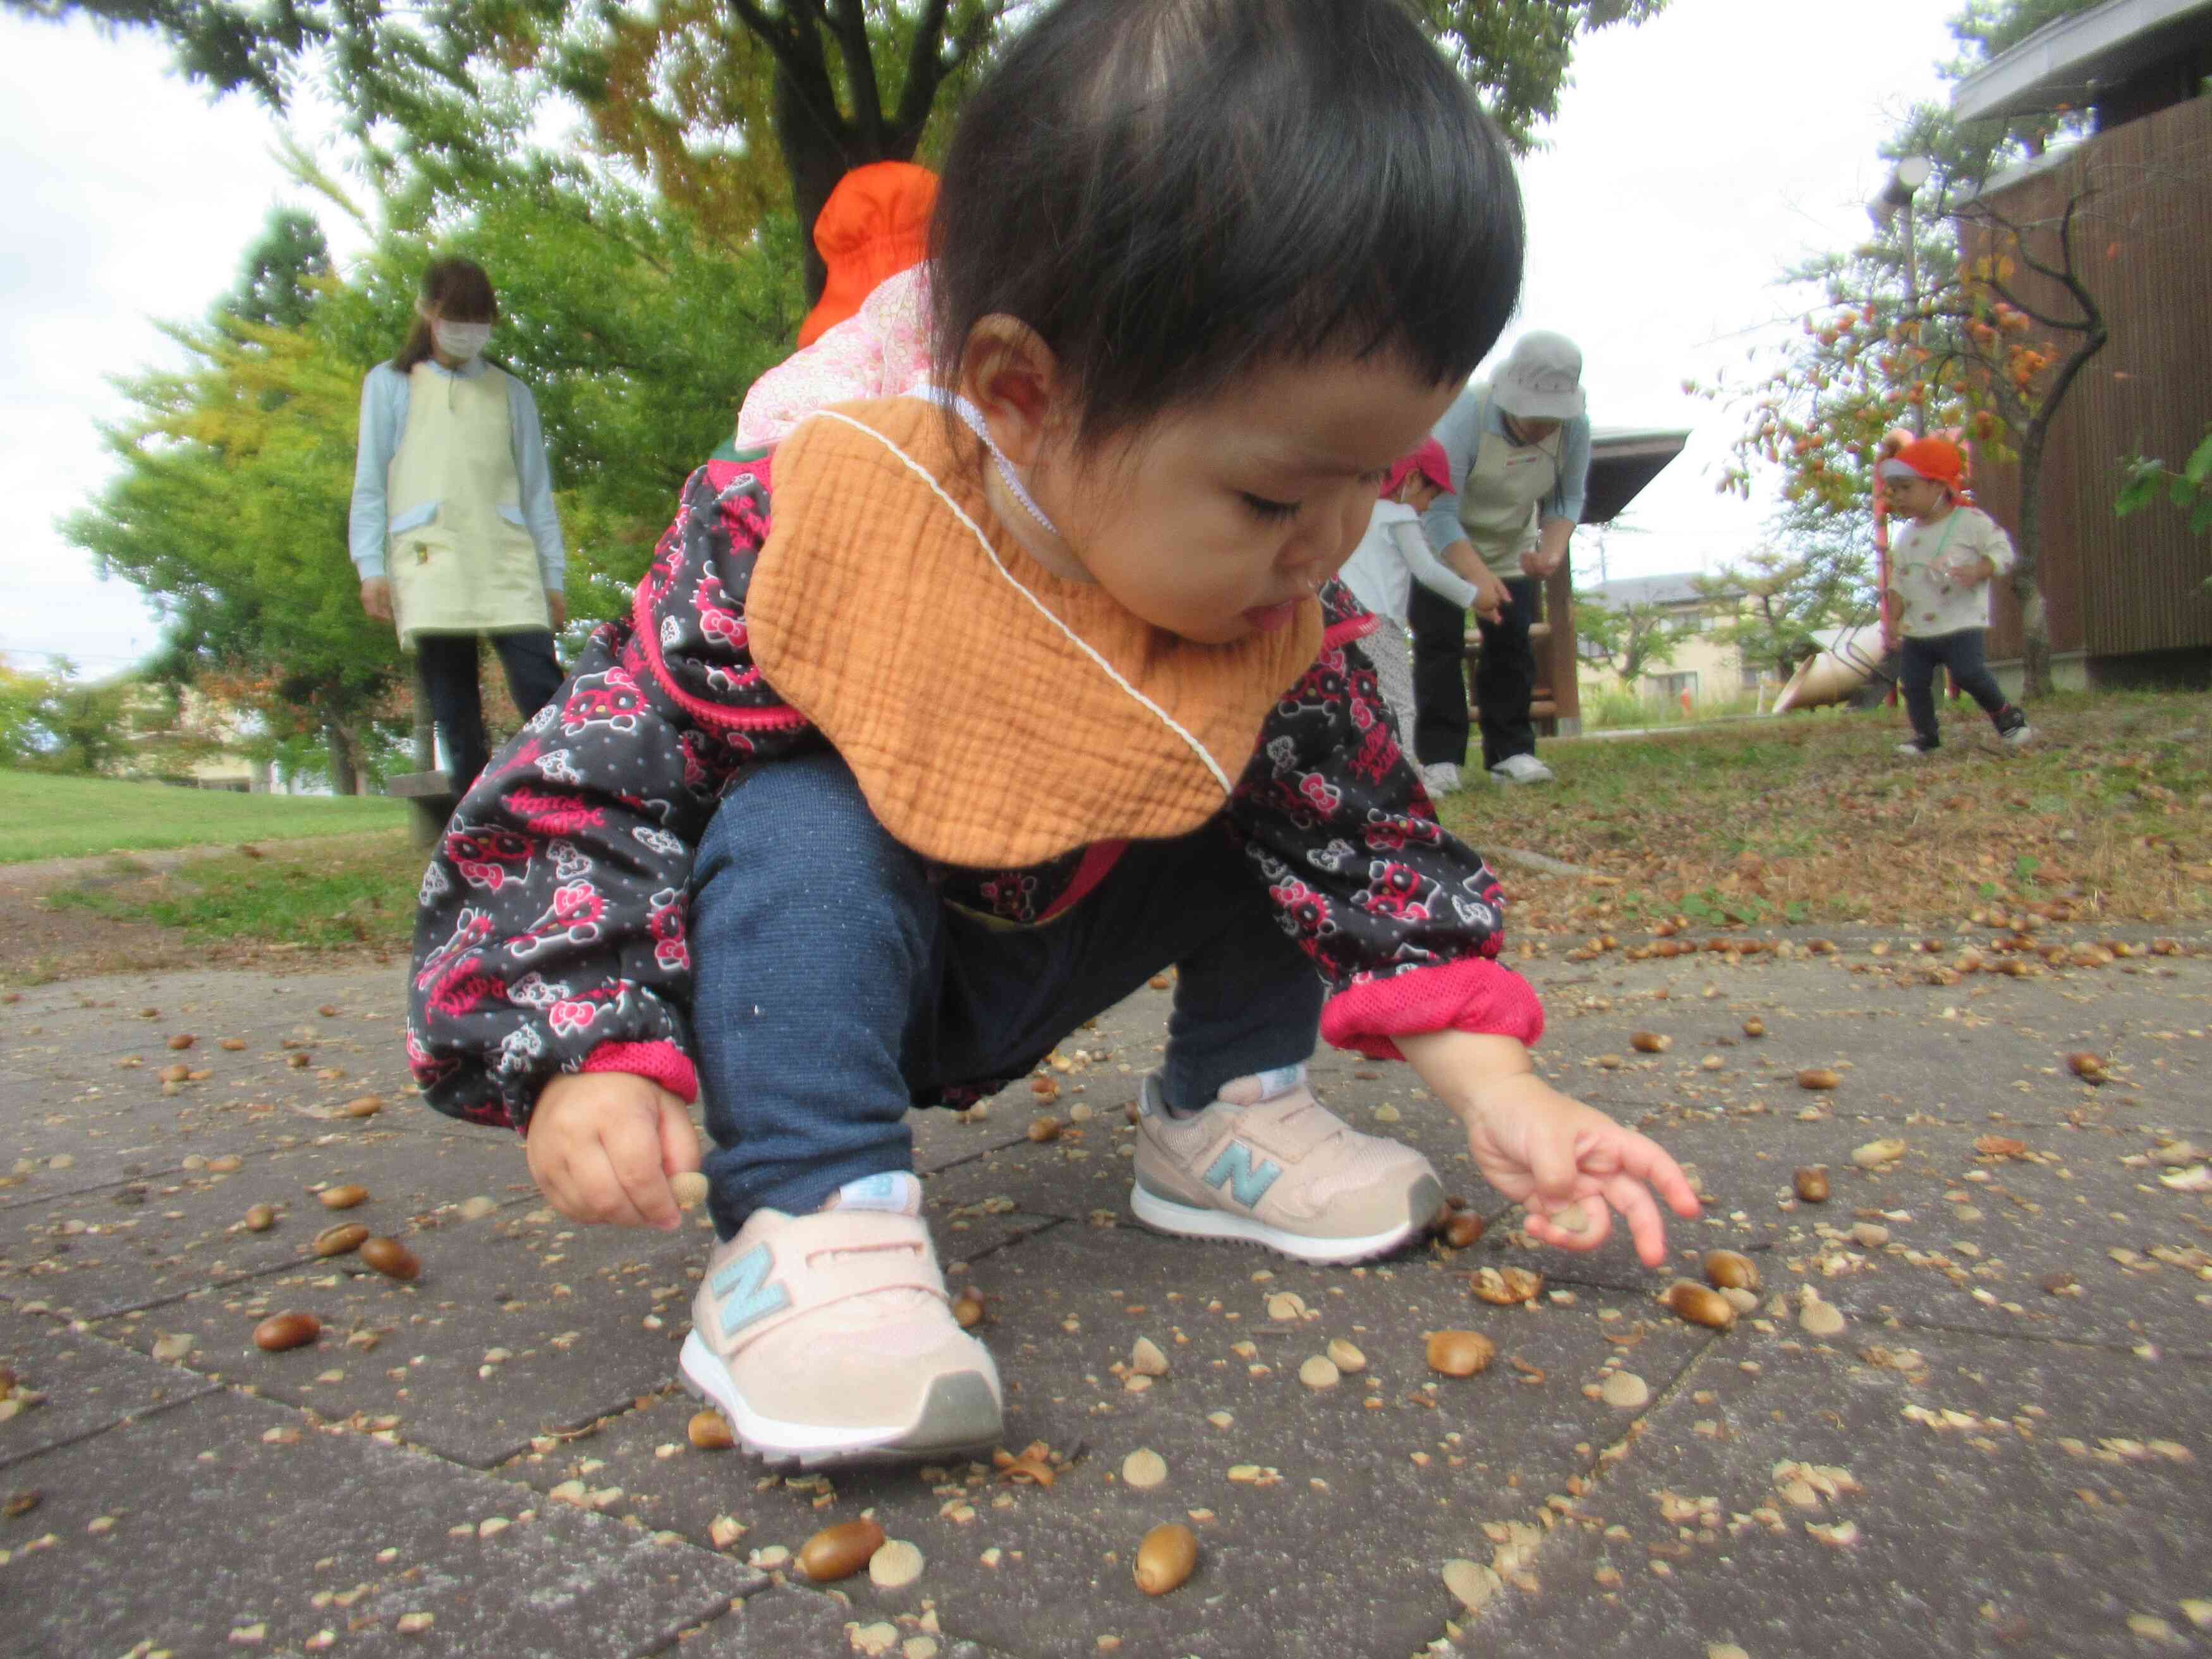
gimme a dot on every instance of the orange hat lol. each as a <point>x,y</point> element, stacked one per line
<point>1936,459</point>
<point>875,224</point>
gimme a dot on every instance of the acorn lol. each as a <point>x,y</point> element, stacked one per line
<point>1731,1271</point>
<point>286,1330</point>
<point>391,1258</point>
<point>1700,1304</point>
<point>841,1551</point>
<point>1460,1353</point>
<point>1166,1558</point>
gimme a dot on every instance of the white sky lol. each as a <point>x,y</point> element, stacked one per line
<point>1692,160</point>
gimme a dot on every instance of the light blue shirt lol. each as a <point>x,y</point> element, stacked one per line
<point>383,421</point>
<point>1460,432</point>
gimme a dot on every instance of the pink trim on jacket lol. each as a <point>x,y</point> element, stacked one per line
<point>1474,995</point>
<point>1350,628</point>
<point>1099,861</point>
<point>645,630</point>
<point>656,1062</point>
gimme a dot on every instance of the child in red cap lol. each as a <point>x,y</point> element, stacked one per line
<point>1941,561</point>
<point>1390,558</point>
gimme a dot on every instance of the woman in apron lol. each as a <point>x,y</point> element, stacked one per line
<point>1519,448</point>
<point>453,528</point>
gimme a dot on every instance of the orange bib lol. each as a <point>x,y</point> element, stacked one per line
<point>996,715</point>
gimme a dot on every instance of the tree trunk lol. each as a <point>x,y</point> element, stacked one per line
<point>345,758</point>
<point>2027,572</point>
<point>816,154</point>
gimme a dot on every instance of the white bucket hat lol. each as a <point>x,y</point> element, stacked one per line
<point>1541,379</point>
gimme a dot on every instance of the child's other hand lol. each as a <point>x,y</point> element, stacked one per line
<point>603,1145</point>
<point>1546,1153</point>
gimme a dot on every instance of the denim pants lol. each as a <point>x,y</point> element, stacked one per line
<point>834,988</point>
<point>447,664</point>
<point>1962,654</point>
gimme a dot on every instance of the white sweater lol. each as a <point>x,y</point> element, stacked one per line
<point>1391,557</point>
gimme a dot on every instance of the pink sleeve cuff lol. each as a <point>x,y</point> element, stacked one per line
<point>1476,994</point>
<point>656,1062</point>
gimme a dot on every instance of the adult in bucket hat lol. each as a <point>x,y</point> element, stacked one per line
<point>1519,449</point>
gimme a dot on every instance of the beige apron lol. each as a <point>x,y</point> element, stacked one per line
<point>461,558</point>
<point>1505,481</point>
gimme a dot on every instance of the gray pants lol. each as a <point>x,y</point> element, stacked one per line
<point>1390,648</point>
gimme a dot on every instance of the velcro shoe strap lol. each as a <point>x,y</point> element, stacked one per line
<point>871,1252</point>
<point>1287,1131</point>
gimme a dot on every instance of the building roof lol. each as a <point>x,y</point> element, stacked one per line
<point>2072,61</point>
<point>1623,460</point>
<point>1679,588</point>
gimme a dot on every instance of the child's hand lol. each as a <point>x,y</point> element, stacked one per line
<point>602,1146</point>
<point>1546,1151</point>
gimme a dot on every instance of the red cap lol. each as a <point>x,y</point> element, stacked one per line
<point>1429,461</point>
<point>1936,459</point>
<point>875,224</point>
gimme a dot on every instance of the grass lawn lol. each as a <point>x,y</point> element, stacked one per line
<point>1809,820</point>
<point>356,895</point>
<point>43,816</point>
<point>1813,819</point>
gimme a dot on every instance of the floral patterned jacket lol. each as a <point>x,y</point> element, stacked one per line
<point>551,934</point>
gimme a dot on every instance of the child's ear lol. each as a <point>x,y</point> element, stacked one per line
<point>1013,378</point>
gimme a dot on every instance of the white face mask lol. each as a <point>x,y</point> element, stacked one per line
<point>463,341</point>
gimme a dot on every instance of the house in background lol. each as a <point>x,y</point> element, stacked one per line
<point>2126,598</point>
<point>1710,668</point>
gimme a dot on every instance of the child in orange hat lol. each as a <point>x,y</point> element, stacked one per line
<point>1941,563</point>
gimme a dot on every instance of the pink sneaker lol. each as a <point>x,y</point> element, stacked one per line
<point>1268,1164</point>
<point>827,1338</point>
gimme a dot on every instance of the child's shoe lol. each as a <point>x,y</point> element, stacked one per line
<point>827,1338</point>
<point>1441,777</point>
<point>1265,1163</point>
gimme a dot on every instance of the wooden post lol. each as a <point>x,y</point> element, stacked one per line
<point>1559,612</point>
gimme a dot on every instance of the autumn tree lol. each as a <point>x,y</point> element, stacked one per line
<point>727,109</point>
<point>1963,318</point>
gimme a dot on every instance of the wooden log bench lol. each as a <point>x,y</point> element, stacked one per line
<point>430,796</point>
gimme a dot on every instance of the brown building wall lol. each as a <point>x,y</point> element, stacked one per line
<point>2143,245</point>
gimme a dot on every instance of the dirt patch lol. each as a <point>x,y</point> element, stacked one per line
<point>42,941</point>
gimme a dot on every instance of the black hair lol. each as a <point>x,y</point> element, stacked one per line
<point>1173,193</point>
<point>458,291</point>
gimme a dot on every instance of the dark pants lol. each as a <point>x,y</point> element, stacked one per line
<point>1962,654</point>
<point>447,664</point>
<point>1505,678</point>
<point>834,988</point>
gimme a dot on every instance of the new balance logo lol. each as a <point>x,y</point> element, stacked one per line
<point>1233,1173</point>
<point>742,1293</point>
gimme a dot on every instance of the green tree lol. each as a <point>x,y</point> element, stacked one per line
<point>228,510</point>
<point>277,285</point>
<point>1628,639</point>
<point>637,332</point>
<point>55,722</point>
<point>727,108</point>
<point>1818,574</point>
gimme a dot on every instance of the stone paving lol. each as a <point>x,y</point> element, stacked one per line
<point>2004,1449</point>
